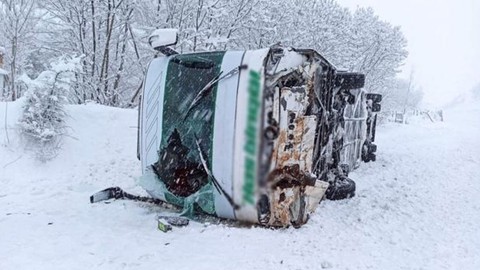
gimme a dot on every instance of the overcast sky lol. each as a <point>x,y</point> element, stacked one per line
<point>443,42</point>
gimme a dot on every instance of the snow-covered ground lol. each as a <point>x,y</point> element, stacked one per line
<point>417,207</point>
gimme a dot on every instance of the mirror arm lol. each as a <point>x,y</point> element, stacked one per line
<point>167,51</point>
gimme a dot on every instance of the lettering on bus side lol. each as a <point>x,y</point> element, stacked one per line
<point>251,131</point>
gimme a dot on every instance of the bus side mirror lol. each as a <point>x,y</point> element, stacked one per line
<point>160,39</point>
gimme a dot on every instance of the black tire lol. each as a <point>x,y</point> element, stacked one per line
<point>376,107</point>
<point>345,169</point>
<point>370,157</point>
<point>342,188</point>
<point>376,98</point>
<point>350,80</point>
<point>368,152</point>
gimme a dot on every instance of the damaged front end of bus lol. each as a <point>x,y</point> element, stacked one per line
<point>303,129</point>
<point>255,136</point>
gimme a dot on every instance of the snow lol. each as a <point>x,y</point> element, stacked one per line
<point>3,71</point>
<point>417,207</point>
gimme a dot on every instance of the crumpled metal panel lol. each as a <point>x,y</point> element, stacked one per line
<point>293,188</point>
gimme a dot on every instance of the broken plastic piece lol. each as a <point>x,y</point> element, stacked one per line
<point>175,221</point>
<point>163,225</point>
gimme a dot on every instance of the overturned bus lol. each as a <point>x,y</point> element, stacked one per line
<point>259,136</point>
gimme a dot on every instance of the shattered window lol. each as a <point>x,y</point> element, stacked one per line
<point>184,126</point>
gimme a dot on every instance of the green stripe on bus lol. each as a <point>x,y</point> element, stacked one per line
<point>251,131</point>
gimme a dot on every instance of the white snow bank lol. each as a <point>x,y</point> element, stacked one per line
<point>416,207</point>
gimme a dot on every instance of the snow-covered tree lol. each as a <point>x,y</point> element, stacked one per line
<point>378,49</point>
<point>101,32</point>
<point>17,33</point>
<point>111,37</point>
<point>403,95</point>
<point>43,123</point>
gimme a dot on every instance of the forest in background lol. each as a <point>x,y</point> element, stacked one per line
<point>97,50</point>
